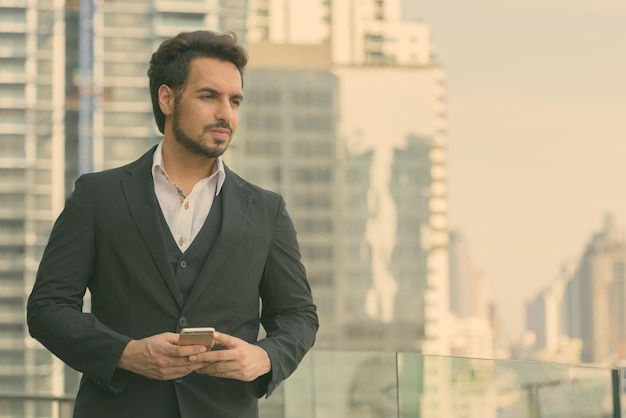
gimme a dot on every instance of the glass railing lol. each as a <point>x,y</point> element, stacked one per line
<point>407,385</point>
<point>371,385</point>
<point>35,405</point>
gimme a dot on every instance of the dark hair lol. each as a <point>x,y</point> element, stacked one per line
<point>170,63</point>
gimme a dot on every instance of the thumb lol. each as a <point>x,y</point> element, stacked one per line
<point>169,337</point>
<point>225,340</point>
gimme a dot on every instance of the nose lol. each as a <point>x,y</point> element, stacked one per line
<point>224,110</point>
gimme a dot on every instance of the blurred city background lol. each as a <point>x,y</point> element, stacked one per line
<point>453,170</point>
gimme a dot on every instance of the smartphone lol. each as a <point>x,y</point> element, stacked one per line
<point>197,336</point>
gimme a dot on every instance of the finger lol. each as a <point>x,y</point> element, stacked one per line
<point>225,340</point>
<point>191,367</point>
<point>179,371</point>
<point>184,364</point>
<point>219,369</point>
<point>190,351</point>
<point>216,356</point>
<point>169,337</point>
<point>167,343</point>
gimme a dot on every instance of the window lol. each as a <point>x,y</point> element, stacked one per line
<point>313,175</point>
<point>313,123</point>
<point>263,96</point>
<point>263,122</point>
<point>311,98</point>
<point>265,148</point>
<point>314,149</point>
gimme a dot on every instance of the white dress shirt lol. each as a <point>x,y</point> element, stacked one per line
<point>185,215</point>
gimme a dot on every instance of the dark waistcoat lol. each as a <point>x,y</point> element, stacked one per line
<point>187,265</point>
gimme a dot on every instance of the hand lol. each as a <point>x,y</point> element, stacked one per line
<point>160,357</point>
<point>238,360</point>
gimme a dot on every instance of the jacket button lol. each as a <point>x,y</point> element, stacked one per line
<point>183,264</point>
<point>182,322</point>
<point>179,380</point>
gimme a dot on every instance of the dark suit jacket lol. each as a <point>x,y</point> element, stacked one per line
<point>109,239</point>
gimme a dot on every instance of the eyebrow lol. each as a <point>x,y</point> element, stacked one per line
<point>218,93</point>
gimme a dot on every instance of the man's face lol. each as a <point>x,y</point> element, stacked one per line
<point>206,111</point>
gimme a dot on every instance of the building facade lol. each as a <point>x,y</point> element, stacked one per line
<point>580,316</point>
<point>378,262</point>
<point>32,96</point>
<point>596,297</point>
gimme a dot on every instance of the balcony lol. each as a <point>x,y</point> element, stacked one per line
<point>374,384</point>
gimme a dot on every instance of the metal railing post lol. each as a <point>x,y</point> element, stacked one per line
<point>617,392</point>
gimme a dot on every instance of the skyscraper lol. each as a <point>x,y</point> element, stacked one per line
<point>32,95</point>
<point>547,320</point>
<point>585,304</point>
<point>368,193</point>
<point>595,296</point>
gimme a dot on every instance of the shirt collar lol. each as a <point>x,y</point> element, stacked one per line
<point>218,171</point>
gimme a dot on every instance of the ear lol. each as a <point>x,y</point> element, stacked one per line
<point>166,99</point>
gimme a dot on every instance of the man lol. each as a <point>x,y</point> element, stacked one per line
<point>173,240</point>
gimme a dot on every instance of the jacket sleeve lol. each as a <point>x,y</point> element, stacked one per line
<point>288,312</point>
<point>55,307</point>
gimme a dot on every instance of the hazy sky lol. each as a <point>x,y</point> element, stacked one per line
<point>536,94</point>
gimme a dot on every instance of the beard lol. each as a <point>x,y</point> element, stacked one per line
<point>196,147</point>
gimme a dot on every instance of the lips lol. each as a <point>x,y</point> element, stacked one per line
<point>220,133</point>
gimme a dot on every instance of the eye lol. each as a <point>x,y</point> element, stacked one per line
<point>208,96</point>
<point>236,102</point>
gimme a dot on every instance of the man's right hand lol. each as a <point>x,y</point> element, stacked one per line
<point>160,357</point>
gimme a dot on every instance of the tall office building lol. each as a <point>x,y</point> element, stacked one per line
<point>362,166</point>
<point>287,143</point>
<point>547,320</point>
<point>596,294</point>
<point>469,296</point>
<point>294,22</point>
<point>32,95</point>
<point>367,190</point>
<point>472,327</point>
<point>585,304</point>
<point>394,275</point>
<point>359,31</point>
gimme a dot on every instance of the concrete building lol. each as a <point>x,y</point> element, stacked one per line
<point>359,32</point>
<point>580,316</point>
<point>547,321</point>
<point>469,294</point>
<point>368,193</point>
<point>376,162</point>
<point>395,273</point>
<point>473,332</point>
<point>596,296</point>
<point>287,143</point>
<point>32,95</point>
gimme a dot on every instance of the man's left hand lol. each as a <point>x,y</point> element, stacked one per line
<point>237,360</point>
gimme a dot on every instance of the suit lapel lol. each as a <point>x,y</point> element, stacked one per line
<point>142,203</point>
<point>236,202</point>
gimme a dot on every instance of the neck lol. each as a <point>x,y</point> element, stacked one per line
<point>185,169</point>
